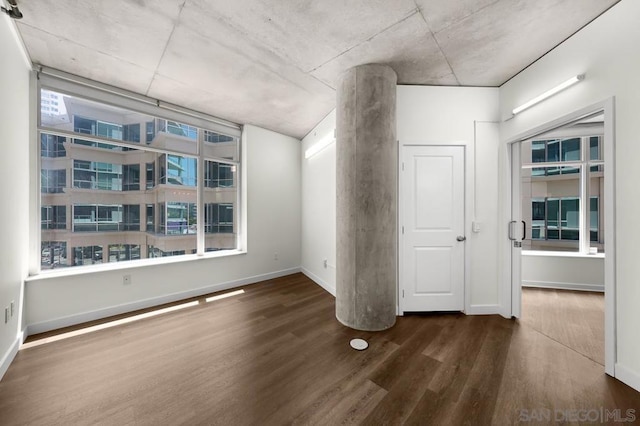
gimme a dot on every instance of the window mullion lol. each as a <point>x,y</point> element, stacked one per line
<point>546,218</point>
<point>584,196</point>
<point>200,240</point>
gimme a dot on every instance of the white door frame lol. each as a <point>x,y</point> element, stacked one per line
<point>511,288</point>
<point>516,216</point>
<point>469,173</point>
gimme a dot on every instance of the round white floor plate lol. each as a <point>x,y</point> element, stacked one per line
<point>359,344</point>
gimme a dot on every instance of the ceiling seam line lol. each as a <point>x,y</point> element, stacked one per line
<point>462,18</point>
<point>411,13</point>
<point>84,46</point>
<point>164,51</point>
<point>439,47</point>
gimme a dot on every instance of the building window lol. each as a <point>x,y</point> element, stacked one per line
<point>156,252</point>
<point>53,181</point>
<point>150,132</point>
<point>131,177</point>
<point>52,146</point>
<point>563,219</point>
<point>213,137</point>
<point>131,132</point>
<point>177,129</point>
<point>130,200</point>
<point>98,218</point>
<point>218,218</point>
<point>150,177</point>
<point>178,170</point>
<point>151,219</point>
<point>178,218</point>
<point>53,217</point>
<point>97,175</point>
<point>219,175</point>
<point>562,179</point>
<point>131,217</point>
<point>122,252</point>
<point>53,254</point>
<point>87,255</point>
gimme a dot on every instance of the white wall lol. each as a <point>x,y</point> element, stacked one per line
<point>424,114</point>
<point>319,207</point>
<point>607,51</point>
<point>454,115</point>
<point>564,271</point>
<point>273,214</point>
<point>14,185</point>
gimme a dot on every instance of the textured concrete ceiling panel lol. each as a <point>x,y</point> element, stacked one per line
<point>440,14</point>
<point>246,81</point>
<point>309,33</point>
<point>133,31</point>
<point>62,54</point>
<point>408,47</point>
<point>489,47</point>
<point>273,63</point>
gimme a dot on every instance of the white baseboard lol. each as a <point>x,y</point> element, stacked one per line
<point>70,320</point>
<point>628,376</point>
<point>564,286</point>
<point>484,310</point>
<point>11,353</point>
<point>313,277</point>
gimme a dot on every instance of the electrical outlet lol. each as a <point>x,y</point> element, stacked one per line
<point>13,308</point>
<point>6,315</point>
<point>324,263</point>
<point>126,279</point>
<point>275,256</point>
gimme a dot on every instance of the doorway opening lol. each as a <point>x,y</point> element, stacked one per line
<point>561,232</point>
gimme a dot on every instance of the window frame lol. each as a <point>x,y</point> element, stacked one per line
<point>584,165</point>
<point>56,81</point>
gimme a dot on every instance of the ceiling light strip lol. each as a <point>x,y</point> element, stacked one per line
<point>562,86</point>
<point>327,140</point>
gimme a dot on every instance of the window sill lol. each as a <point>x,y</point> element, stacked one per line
<point>541,253</point>
<point>126,265</point>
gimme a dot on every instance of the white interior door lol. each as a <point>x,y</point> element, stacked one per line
<point>432,234</point>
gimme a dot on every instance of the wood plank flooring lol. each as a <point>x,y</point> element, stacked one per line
<point>276,355</point>
<point>572,318</point>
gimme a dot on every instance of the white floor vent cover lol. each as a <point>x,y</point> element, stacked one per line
<point>359,344</point>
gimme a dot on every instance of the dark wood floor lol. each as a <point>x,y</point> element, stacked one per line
<point>276,355</point>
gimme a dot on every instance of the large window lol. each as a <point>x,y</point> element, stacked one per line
<point>562,187</point>
<point>133,183</point>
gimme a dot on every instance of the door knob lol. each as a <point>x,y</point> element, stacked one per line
<point>461,238</point>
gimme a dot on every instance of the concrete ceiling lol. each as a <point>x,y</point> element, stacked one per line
<point>275,63</point>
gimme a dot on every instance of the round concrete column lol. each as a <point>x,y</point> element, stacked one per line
<point>366,198</point>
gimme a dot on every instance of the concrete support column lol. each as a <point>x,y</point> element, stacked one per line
<point>367,159</point>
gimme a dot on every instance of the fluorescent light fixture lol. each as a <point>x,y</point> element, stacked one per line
<point>320,145</point>
<point>548,93</point>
